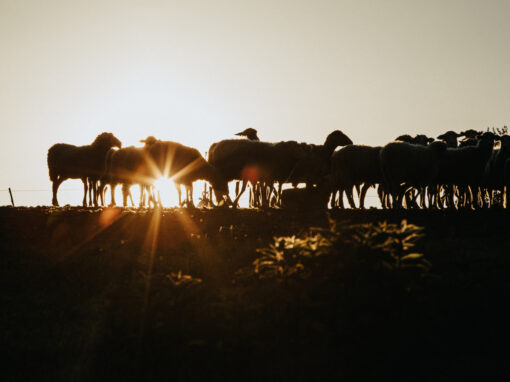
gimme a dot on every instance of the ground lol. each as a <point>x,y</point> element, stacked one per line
<point>110,294</point>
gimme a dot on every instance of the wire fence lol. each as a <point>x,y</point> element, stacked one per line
<point>39,196</point>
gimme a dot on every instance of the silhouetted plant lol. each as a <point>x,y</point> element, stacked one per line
<point>498,130</point>
<point>373,246</point>
<point>393,241</point>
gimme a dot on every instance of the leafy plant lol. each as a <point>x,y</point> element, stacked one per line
<point>289,255</point>
<point>394,243</point>
<point>374,246</point>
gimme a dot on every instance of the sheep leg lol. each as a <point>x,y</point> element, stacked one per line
<point>332,199</point>
<point>92,193</point>
<point>100,190</point>
<point>236,200</point>
<point>89,192</point>
<point>349,193</point>
<point>259,195</point>
<point>179,192</point>
<point>341,198</point>
<point>430,196</point>
<point>112,194</point>
<point>363,194</point>
<point>55,186</point>
<point>382,196</point>
<point>279,194</point>
<point>95,191</point>
<point>189,195</point>
<point>421,193</point>
<point>130,195</point>
<point>265,197</point>
<point>274,196</point>
<point>85,189</point>
<point>254,192</point>
<point>124,195</point>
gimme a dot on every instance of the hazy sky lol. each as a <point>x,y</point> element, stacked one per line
<point>199,71</point>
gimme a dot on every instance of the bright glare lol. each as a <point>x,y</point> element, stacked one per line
<point>167,191</point>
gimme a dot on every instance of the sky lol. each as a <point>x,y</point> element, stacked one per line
<point>197,72</point>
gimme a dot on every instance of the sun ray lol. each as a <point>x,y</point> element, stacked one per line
<point>149,249</point>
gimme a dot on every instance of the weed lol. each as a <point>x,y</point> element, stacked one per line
<point>373,246</point>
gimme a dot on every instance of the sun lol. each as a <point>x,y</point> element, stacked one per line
<point>167,192</point>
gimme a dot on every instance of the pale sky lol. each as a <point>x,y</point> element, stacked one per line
<point>199,71</point>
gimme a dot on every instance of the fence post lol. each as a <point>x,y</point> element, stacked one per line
<point>12,200</point>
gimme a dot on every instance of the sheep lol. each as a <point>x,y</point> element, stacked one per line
<point>67,161</point>
<point>282,162</point>
<point>257,188</point>
<point>404,138</point>
<point>414,165</point>
<point>355,165</point>
<point>450,138</point>
<point>420,139</point>
<point>312,168</point>
<point>470,133</point>
<point>253,161</point>
<point>185,165</point>
<point>495,167</point>
<point>506,177</point>
<point>464,167</point>
<point>128,166</point>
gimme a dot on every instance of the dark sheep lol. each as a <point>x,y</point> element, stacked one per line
<point>128,166</point>
<point>282,162</point>
<point>67,161</point>
<point>353,166</point>
<point>184,165</point>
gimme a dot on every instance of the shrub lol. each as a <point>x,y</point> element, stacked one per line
<point>379,247</point>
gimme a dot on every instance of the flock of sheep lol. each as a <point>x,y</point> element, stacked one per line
<point>420,172</point>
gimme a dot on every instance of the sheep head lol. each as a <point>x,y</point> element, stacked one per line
<point>107,140</point>
<point>149,141</point>
<point>422,140</point>
<point>505,142</point>
<point>219,185</point>
<point>487,139</point>
<point>337,138</point>
<point>470,133</point>
<point>450,137</point>
<point>404,138</point>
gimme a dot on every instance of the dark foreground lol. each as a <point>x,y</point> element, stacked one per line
<point>125,295</point>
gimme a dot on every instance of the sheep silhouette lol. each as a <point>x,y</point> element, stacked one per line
<point>66,161</point>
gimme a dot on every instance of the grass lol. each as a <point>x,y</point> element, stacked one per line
<point>229,295</point>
